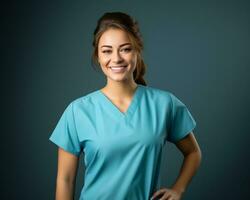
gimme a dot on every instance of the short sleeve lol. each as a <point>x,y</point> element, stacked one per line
<point>65,134</point>
<point>181,120</point>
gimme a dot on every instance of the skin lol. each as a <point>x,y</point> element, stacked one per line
<point>115,49</point>
<point>66,175</point>
<point>120,88</point>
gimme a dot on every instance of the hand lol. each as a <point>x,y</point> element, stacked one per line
<point>167,194</point>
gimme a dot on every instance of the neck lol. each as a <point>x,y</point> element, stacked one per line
<point>120,89</point>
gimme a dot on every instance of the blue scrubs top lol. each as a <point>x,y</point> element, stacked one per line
<point>122,151</point>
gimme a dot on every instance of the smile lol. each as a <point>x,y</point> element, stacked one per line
<point>118,69</point>
<point>118,66</point>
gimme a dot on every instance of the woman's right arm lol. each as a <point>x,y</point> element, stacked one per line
<point>66,175</point>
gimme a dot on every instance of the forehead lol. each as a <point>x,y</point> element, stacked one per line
<point>113,37</point>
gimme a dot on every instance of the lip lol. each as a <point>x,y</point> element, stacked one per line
<point>120,69</point>
<point>118,66</point>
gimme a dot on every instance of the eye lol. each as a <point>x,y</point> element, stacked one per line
<point>127,49</point>
<point>106,51</point>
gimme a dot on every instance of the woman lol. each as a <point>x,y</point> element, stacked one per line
<point>122,127</point>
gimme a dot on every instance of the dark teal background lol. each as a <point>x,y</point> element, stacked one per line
<point>199,50</point>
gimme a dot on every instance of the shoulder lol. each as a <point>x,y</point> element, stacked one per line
<point>86,101</point>
<point>159,94</point>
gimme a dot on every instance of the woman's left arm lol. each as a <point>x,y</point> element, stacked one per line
<point>192,159</point>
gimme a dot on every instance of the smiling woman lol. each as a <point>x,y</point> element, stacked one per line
<point>116,56</point>
<point>118,43</point>
<point>123,127</point>
<point>124,51</point>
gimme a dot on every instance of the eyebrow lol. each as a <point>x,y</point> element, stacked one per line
<point>119,46</point>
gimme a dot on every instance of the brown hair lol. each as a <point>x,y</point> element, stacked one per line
<point>127,23</point>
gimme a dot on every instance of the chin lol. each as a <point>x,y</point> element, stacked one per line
<point>119,79</point>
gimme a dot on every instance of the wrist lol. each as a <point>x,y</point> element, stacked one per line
<point>178,189</point>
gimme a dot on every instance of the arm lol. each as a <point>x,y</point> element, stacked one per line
<point>192,159</point>
<point>66,175</point>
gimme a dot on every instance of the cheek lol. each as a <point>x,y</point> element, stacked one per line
<point>104,60</point>
<point>133,60</point>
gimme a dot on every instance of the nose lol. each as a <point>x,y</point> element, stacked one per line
<point>116,58</point>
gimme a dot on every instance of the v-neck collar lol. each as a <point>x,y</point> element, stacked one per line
<point>131,108</point>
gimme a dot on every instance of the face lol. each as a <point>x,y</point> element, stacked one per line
<point>116,55</point>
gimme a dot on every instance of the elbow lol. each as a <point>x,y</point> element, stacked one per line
<point>198,155</point>
<point>66,179</point>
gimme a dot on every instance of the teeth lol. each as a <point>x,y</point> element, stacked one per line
<point>117,67</point>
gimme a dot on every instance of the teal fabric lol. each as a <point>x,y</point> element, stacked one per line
<point>122,151</point>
